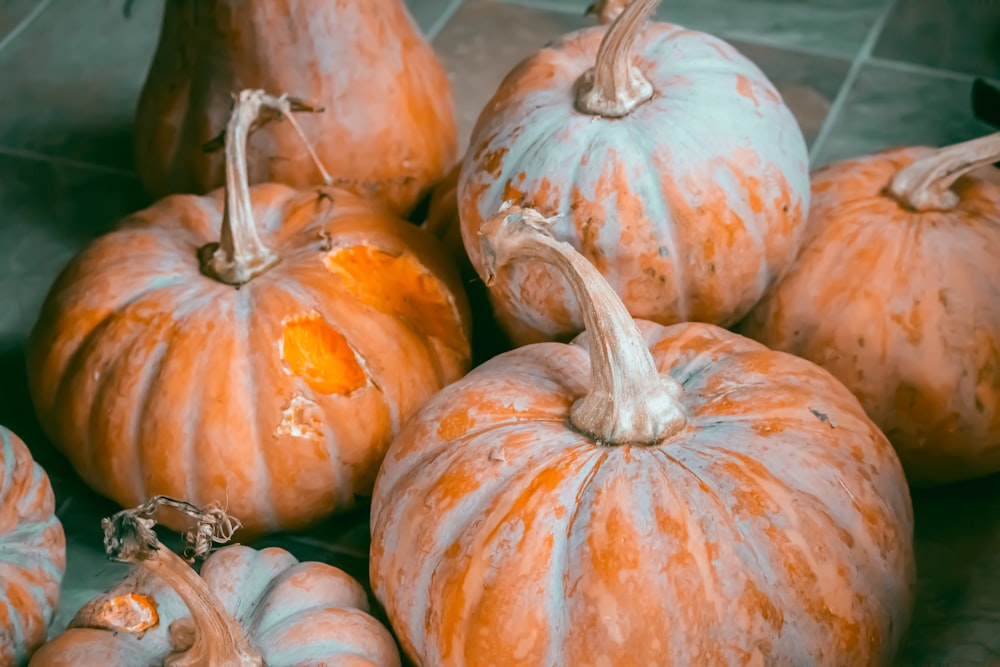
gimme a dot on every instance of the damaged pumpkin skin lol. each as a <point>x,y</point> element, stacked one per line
<point>388,129</point>
<point>902,304</point>
<point>276,396</point>
<point>729,505</point>
<point>690,204</point>
<point>32,552</point>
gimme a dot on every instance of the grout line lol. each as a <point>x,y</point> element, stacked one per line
<point>863,56</point>
<point>25,22</point>
<point>914,68</point>
<point>65,162</point>
<point>443,19</point>
<point>758,40</point>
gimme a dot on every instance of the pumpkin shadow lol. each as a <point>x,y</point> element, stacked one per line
<point>956,539</point>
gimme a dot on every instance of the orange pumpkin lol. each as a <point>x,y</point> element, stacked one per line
<point>607,10</point>
<point>645,495</point>
<point>897,293</point>
<point>245,608</point>
<point>667,158</point>
<point>256,346</point>
<point>388,131</point>
<point>32,552</point>
<point>442,216</point>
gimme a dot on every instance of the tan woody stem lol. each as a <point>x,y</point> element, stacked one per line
<point>614,86</point>
<point>925,185</point>
<point>630,401</point>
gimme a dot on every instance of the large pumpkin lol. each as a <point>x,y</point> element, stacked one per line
<point>257,346</point>
<point>388,130</point>
<point>32,552</point>
<point>245,608</point>
<point>667,158</point>
<point>897,293</point>
<point>645,495</point>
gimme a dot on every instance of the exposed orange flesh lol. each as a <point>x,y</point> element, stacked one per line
<point>320,355</point>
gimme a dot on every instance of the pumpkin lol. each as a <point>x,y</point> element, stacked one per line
<point>245,607</point>
<point>896,292</point>
<point>389,129</point>
<point>644,495</point>
<point>443,219</point>
<point>607,10</point>
<point>256,346</point>
<point>668,160</point>
<point>32,552</point>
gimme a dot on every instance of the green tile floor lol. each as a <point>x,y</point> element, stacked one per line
<point>859,75</point>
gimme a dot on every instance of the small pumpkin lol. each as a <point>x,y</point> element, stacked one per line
<point>896,292</point>
<point>389,128</point>
<point>645,495</point>
<point>256,346</point>
<point>442,217</point>
<point>32,552</point>
<point>607,10</point>
<point>668,159</point>
<point>246,607</point>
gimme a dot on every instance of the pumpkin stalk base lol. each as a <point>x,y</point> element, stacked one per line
<point>925,185</point>
<point>129,538</point>
<point>630,402</point>
<point>614,87</point>
<point>240,255</point>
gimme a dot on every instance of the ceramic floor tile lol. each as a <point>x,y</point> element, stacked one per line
<point>837,27</point>
<point>13,13</point>
<point>808,83</point>
<point>431,15</point>
<point>72,78</point>
<point>484,41</point>
<point>956,35</point>
<point>890,107</point>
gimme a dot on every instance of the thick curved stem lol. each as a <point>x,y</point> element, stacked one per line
<point>614,86</point>
<point>240,255</point>
<point>629,401</point>
<point>925,185</point>
<point>129,537</point>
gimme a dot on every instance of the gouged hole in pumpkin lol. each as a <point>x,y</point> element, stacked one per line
<point>320,355</point>
<point>401,287</point>
<point>132,613</point>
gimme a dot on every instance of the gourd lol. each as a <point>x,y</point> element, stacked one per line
<point>244,608</point>
<point>645,495</point>
<point>32,552</point>
<point>388,131</point>
<point>896,292</point>
<point>257,346</point>
<point>668,160</point>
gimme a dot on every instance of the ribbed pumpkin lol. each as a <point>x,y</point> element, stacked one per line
<point>388,131</point>
<point>897,293</point>
<point>257,347</point>
<point>645,495</point>
<point>32,552</point>
<point>667,158</point>
<point>245,608</point>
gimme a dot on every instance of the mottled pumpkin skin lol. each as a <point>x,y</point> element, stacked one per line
<point>775,529</point>
<point>276,399</point>
<point>690,206</point>
<point>388,130</point>
<point>293,613</point>
<point>904,308</point>
<point>32,552</point>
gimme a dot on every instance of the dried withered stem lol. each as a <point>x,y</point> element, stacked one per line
<point>129,538</point>
<point>925,185</point>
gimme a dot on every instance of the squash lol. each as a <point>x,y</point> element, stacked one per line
<point>247,607</point>
<point>896,292</point>
<point>667,158</point>
<point>32,552</point>
<point>645,495</point>
<point>607,10</point>
<point>389,128</point>
<point>443,219</point>
<point>256,346</point>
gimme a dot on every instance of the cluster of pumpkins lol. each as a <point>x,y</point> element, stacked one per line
<point>725,373</point>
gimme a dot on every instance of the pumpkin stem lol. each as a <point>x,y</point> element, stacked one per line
<point>630,401</point>
<point>240,255</point>
<point>925,185</point>
<point>613,87</point>
<point>129,538</point>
